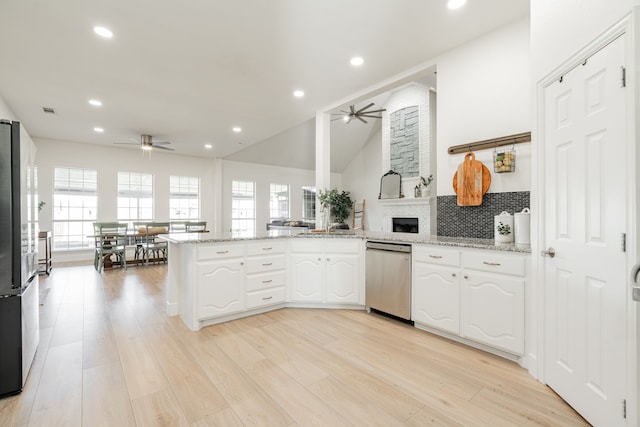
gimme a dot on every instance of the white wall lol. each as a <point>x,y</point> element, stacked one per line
<point>484,92</point>
<point>361,177</point>
<point>264,175</point>
<point>559,28</point>
<point>108,161</point>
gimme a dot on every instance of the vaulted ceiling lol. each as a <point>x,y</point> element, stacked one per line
<point>188,72</point>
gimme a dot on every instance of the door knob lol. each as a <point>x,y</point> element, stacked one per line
<point>549,252</point>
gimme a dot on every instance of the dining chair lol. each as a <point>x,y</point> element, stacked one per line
<point>111,239</point>
<point>153,247</point>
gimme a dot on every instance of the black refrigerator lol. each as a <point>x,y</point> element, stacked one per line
<point>19,302</point>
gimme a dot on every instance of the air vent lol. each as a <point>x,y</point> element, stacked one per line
<point>48,110</point>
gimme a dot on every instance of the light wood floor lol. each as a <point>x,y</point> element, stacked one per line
<point>109,356</point>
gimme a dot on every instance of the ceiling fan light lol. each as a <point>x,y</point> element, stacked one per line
<point>346,119</point>
<point>146,147</point>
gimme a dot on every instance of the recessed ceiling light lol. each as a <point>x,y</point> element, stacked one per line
<point>237,129</point>
<point>103,32</point>
<point>455,4</point>
<point>357,61</point>
<point>95,102</point>
<point>298,93</point>
<point>98,129</point>
<point>208,146</point>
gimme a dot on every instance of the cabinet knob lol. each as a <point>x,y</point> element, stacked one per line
<point>319,259</point>
<point>328,259</point>
<point>453,274</point>
<point>466,277</point>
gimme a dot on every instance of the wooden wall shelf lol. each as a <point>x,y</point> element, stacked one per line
<point>517,138</point>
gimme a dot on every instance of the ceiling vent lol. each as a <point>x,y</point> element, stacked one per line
<point>48,110</point>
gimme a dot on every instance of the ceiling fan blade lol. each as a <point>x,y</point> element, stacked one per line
<point>162,148</point>
<point>374,111</point>
<point>352,108</point>
<point>338,118</point>
<point>126,143</point>
<point>364,108</point>
<point>369,116</point>
<point>161,142</point>
<point>361,119</point>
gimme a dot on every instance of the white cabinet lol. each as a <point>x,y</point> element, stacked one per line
<point>265,279</point>
<point>307,277</point>
<point>436,297</point>
<point>436,288</point>
<point>475,294</point>
<point>342,278</point>
<point>327,270</point>
<point>219,287</point>
<point>492,300</point>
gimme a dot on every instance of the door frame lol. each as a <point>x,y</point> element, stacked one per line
<point>536,350</point>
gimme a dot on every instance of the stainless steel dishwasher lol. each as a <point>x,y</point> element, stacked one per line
<point>388,278</point>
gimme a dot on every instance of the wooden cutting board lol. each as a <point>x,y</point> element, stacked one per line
<point>471,181</point>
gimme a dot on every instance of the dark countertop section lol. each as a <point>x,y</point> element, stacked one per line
<point>459,242</point>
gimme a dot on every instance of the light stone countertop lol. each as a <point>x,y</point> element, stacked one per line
<point>460,242</point>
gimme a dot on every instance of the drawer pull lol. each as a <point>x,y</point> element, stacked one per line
<point>222,252</point>
<point>266,298</point>
<point>466,277</point>
<point>266,264</point>
<point>435,256</point>
<point>491,263</point>
<point>267,281</point>
<point>453,274</point>
<point>266,249</point>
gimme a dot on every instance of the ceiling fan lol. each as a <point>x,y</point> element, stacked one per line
<point>347,116</point>
<point>146,143</point>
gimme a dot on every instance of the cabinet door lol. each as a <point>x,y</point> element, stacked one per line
<point>436,297</point>
<point>220,288</point>
<point>342,278</point>
<point>307,277</point>
<point>492,310</point>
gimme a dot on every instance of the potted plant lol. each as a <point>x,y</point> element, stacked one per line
<point>423,186</point>
<point>338,203</point>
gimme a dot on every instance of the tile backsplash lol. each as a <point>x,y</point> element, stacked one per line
<point>477,221</point>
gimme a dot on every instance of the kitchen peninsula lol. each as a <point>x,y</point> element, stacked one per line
<point>471,290</point>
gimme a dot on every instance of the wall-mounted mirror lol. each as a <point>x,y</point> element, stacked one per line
<point>390,185</point>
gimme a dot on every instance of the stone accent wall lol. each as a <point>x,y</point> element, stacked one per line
<point>405,148</point>
<point>477,221</point>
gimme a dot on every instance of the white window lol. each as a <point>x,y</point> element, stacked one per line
<point>184,198</point>
<point>308,203</point>
<point>75,208</point>
<point>243,207</point>
<point>279,201</point>
<point>135,197</point>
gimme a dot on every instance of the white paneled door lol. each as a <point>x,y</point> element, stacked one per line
<point>585,188</point>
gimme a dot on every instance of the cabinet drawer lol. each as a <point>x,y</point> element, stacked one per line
<point>265,280</point>
<point>495,263</point>
<point>436,255</point>
<point>265,263</point>
<point>266,247</point>
<point>265,297</point>
<point>220,251</point>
